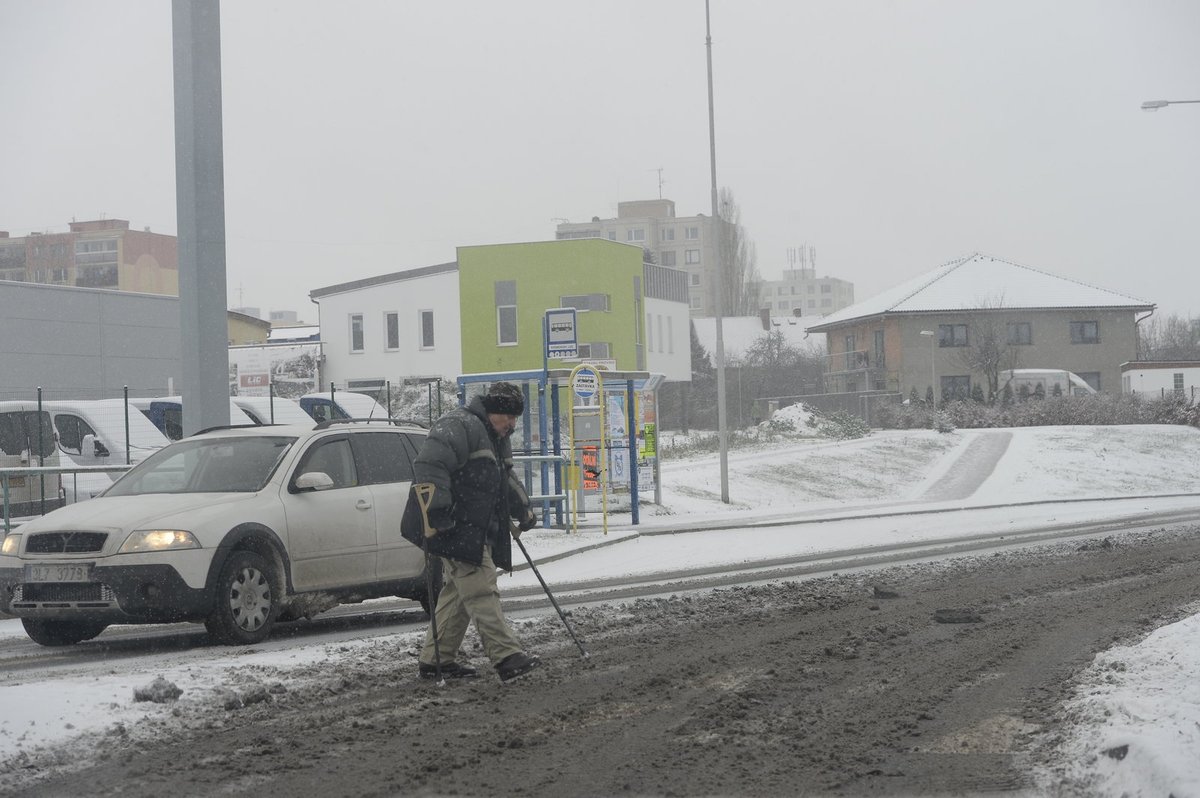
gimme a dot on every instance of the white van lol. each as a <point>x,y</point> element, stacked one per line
<point>166,413</point>
<point>1068,382</point>
<point>272,410</point>
<point>27,441</point>
<point>92,433</point>
<point>343,404</point>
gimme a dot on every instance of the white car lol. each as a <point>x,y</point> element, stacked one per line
<point>237,528</point>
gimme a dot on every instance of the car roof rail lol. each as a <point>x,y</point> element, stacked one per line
<point>230,426</point>
<point>399,422</point>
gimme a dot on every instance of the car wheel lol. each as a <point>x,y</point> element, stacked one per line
<point>433,568</point>
<point>61,633</point>
<point>244,607</point>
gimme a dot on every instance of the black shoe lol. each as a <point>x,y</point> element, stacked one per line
<point>515,665</point>
<point>450,670</point>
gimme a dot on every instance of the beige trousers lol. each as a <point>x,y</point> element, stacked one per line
<point>469,593</point>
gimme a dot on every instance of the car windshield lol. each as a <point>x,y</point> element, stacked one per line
<point>206,465</point>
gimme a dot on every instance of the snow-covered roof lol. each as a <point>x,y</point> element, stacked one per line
<point>741,332</point>
<point>306,332</point>
<point>980,281</point>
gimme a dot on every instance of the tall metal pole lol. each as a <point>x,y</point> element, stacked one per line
<point>200,208</point>
<point>718,288</point>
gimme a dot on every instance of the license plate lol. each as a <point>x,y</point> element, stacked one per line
<point>58,572</point>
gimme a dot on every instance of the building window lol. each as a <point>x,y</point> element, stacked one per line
<point>666,257</point>
<point>879,349</point>
<point>426,321</point>
<point>1020,333</point>
<point>691,256</point>
<point>691,233</point>
<point>667,234</point>
<point>612,235</point>
<point>956,387</point>
<point>635,234</point>
<point>670,336</point>
<point>649,332</point>
<point>826,288</point>
<point>356,332</point>
<point>660,334</point>
<point>952,335</point>
<point>391,323</point>
<point>583,302</point>
<point>594,350</point>
<point>506,312</point>
<point>782,304</point>
<point>851,355</point>
<point>694,302</point>
<point>1179,383</point>
<point>1085,332</point>
<point>694,279</point>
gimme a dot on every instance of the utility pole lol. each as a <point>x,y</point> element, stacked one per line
<point>718,288</point>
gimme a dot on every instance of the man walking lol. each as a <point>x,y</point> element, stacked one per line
<point>467,457</point>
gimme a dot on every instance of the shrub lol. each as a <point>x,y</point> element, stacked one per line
<point>842,426</point>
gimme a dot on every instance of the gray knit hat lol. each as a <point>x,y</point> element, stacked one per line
<point>504,398</point>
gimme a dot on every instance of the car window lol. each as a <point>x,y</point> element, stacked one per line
<point>381,457</point>
<point>206,465</point>
<point>20,431</point>
<point>414,442</point>
<point>332,457</point>
<point>71,431</point>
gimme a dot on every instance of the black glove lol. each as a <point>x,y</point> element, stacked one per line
<point>529,523</point>
<point>441,518</point>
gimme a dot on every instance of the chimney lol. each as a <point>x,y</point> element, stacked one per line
<point>764,314</point>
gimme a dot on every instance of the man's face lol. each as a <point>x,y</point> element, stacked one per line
<point>503,423</point>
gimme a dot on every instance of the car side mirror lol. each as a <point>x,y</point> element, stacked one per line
<point>92,444</point>
<point>314,480</point>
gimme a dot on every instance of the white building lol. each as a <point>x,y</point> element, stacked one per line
<point>1158,378</point>
<point>393,327</point>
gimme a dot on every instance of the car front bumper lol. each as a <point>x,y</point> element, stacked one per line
<point>151,593</point>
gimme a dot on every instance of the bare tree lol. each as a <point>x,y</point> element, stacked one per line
<point>741,283</point>
<point>989,351</point>
<point>1168,338</point>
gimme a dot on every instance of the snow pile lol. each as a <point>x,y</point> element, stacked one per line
<point>1133,723</point>
<point>800,417</point>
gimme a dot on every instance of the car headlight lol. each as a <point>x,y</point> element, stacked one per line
<point>12,544</point>
<point>159,540</point>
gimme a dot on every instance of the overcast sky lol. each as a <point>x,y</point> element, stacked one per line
<point>369,136</point>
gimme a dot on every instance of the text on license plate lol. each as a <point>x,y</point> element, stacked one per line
<point>58,572</point>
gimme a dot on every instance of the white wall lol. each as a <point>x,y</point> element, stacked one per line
<point>668,340</point>
<point>437,292</point>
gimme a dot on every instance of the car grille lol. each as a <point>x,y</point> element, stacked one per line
<point>65,542</point>
<point>62,591</point>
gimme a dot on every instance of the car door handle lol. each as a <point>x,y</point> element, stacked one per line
<point>362,504</point>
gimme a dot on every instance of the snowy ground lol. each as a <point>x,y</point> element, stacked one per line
<point>1140,702</point>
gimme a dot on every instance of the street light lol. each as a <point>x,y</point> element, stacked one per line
<point>1154,105</point>
<point>932,366</point>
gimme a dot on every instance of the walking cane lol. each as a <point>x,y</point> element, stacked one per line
<point>550,595</point>
<point>424,491</point>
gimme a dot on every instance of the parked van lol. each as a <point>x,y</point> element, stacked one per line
<point>272,410</point>
<point>344,404</point>
<point>27,441</point>
<point>92,433</point>
<point>166,413</point>
<point>1067,382</point>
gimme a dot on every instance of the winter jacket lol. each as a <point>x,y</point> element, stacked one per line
<point>475,491</point>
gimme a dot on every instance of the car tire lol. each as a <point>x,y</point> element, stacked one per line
<point>433,567</point>
<point>61,633</point>
<point>245,600</point>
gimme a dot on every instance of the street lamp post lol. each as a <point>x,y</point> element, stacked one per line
<point>932,363</point>
<point>1154,105</point>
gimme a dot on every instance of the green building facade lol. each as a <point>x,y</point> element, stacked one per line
<point>505,290</point>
